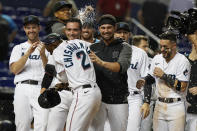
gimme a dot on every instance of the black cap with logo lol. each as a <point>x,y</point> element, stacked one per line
<point>122,26</point>
<point>31,19</point>
<point>61,4</point>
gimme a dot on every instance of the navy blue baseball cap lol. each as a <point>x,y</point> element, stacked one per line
<point>61,4</point>
<point>31,19</point>
<point>122,26</point>
<point>51,38</point>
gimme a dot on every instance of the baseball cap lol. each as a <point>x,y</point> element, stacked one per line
<point>61,4</point>
<point>51,38</point>
<point>122,26</point>
<point>31,19</point>
<point>107,19</point>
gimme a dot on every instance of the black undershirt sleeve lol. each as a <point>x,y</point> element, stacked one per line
<point>50,72</point>
<point>149,80</point>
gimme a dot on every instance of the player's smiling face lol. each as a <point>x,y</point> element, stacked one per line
<point>87,33</point>
<point>167,47</point>
<point>72,30</point>
<point>107,31</point>
<point>32,31</point>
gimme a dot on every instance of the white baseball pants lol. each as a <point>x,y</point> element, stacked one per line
<point>191,122</point>
<point>169,116</point>
<point>117,114</point>
<point>26,108</point>
<point>85,105</point>
<point>134,119</point>
<point>58,114</point>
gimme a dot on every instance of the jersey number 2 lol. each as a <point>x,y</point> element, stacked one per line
<point>83,62</point>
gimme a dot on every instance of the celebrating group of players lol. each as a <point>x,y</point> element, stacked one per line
<point>100,80</point>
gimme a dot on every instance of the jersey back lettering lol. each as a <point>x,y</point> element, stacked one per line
<point>74,56</point>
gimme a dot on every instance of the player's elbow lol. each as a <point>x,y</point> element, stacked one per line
<point>14,70</point>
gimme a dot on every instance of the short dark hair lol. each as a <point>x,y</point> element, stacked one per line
<point>88,25</point>
<point>31,19</point>
<point>75,20</point>
<point>107,19</point>
<point>137,38</point>
<point>168,35</point>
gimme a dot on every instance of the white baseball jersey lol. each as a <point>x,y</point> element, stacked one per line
<point>59,68</point>
<point>73,55</point>
<point>178,67</point>
<point>33,69</point>
<point>138,67</point>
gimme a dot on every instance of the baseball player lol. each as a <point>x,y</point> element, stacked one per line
<point>111,60</point>
<point>138,69</point>
<point>170,70</point>
<point>142,42</point>
<point>82,81</point>
<point>27,62</point>
<point>59,113</point>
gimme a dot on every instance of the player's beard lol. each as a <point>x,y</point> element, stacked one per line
<point>32,36</point>
<point>166,54</point>
<point>107,38</point>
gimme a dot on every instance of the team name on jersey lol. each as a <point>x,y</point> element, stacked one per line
<point>69,51</point>
<point>32,57</point>
<point>134,66</point>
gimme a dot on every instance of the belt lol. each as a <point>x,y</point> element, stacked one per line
<point>134,92</point>
<point>87,86</point>
<point>169,100</point>
<point>31,82</point>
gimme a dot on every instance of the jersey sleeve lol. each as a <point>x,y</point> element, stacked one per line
<point>183,71</point>
<point>144,66</point>
<point>125,57</point>
<point>57,55</point>
<point>152,66</point>
<point>51,61</point>
<point>16,54</point>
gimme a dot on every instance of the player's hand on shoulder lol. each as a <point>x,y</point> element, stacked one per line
<point>158,72</point>
<point>193,90</point>
<point>95,59</point>
<point>140,83</point>
<point>145,110</point>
